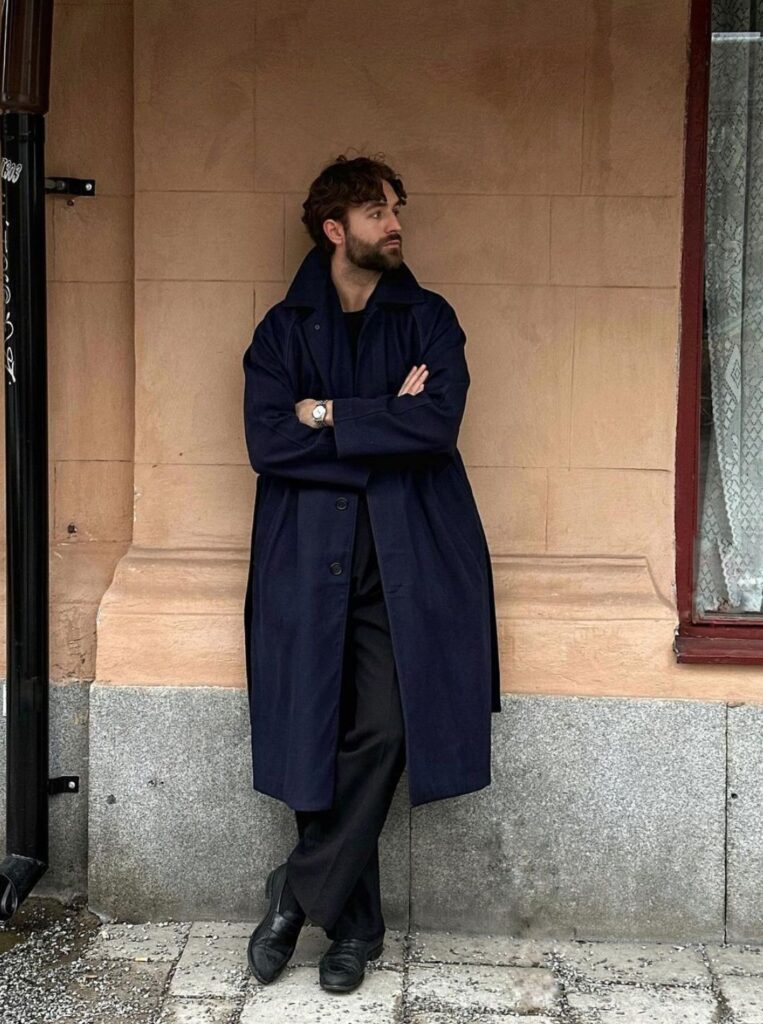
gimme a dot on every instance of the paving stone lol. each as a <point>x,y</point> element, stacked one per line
<point>119,972</point>
<point>102,992</point>
<point>652,962</point>
<point>211,967</point>
<point>735,959</point>
<point>623,1004</point>
<point>144,942</point>
<point>449,947</point>
<point>745,998</point>
<point>222,929</point>
<point>199,1011</point>
<point>297,998</point>
<point>482,1018</point>
<point>481,988</point>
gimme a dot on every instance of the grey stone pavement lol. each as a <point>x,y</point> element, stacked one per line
<point>69,968</point>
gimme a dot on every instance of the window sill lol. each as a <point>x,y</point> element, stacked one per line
<point>740,646</point>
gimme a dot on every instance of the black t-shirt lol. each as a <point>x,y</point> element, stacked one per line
<point>354,322</point>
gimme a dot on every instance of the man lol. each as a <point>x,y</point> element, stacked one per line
<point>370,630</point>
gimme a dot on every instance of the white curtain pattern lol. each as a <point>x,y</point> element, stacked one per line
<point>730,558</point>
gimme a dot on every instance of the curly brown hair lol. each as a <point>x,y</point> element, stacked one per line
<point>344,183</point>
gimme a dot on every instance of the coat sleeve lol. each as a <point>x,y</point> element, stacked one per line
<point>277,442</point>
<point>424,424</point>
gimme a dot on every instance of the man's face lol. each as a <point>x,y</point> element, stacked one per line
<point>374,238</point>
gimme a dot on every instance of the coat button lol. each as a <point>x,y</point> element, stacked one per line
<point>342,503</point>
<point>317,327</point>
<point>336,568</point>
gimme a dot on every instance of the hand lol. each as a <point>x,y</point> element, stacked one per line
<point>304,411</point>
<point>414,382</point>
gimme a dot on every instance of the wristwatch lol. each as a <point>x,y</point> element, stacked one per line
<point>319,412</point>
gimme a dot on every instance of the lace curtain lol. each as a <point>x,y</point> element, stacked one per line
<point>730,562</point>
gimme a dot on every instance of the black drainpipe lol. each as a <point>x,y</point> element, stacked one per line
<point>25,35</point>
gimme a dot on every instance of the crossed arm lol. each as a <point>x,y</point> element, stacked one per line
<point>408,424</point>
<point>412,385</point>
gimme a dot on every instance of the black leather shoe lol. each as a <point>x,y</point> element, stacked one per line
<point>275,937</point>
<point>343,965</point>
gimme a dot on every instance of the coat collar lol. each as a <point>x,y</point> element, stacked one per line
<point>310,287</point>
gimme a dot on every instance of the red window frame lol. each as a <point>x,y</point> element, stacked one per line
<point>726,640</point>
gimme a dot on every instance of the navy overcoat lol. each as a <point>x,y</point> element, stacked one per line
<point>432,552</point>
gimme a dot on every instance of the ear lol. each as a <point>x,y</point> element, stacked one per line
<point>334,231</point>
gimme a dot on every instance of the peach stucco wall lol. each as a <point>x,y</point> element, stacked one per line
<point>90,304</point>
<point>541,143</point>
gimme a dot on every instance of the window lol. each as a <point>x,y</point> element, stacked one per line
<point>719,450</point>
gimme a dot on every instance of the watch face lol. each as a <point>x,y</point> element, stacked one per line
<point>319,412</point>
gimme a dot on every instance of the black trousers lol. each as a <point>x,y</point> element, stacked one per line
<point>334,868</point>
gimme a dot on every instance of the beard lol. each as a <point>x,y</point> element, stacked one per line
<point>372,257</point>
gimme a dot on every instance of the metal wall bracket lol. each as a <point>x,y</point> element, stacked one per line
<point>71,186</point>
<point>63,784</point>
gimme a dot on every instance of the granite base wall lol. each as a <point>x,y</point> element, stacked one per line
<point>66,877</point>
<point>606,818</point>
